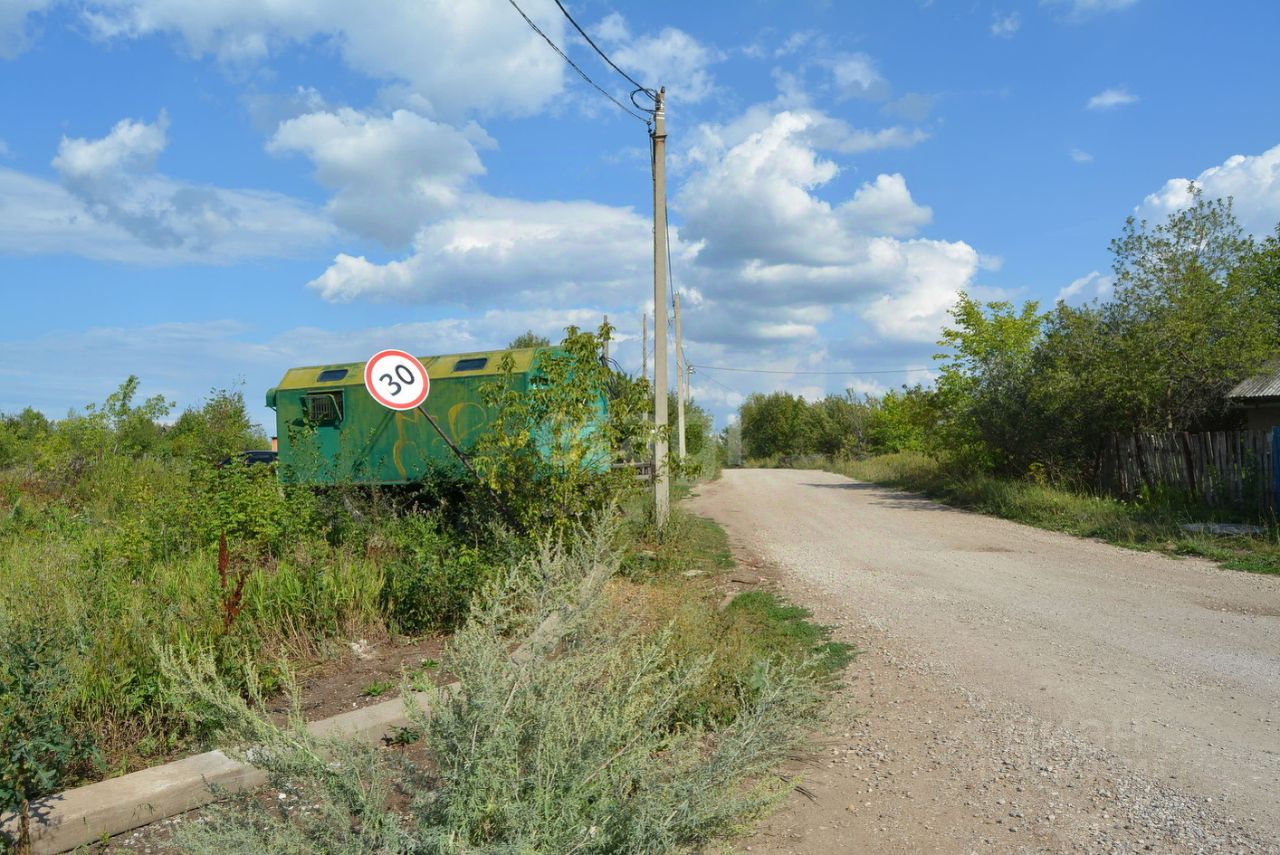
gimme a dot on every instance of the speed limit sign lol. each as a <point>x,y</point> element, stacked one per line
<point>396,379</point>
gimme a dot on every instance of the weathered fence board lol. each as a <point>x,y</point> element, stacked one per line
<point>1221,468</point>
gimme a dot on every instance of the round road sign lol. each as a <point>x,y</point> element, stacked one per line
<point>396,379</point>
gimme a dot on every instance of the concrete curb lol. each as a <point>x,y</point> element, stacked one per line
<point>97,811</point>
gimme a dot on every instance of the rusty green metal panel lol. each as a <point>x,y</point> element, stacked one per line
<point>331,431</point>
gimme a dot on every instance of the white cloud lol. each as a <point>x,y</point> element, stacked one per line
<point>771,249</point>
<point>1080,156</point>
<point>1005,27</point>
<point>14,19</point>
<point>115,206</point>
<point>856,76</point>
<point>115,179</point>
<point>497,250</point>
<point>752,199</point>
<point>476,55</point>
<point>1110,99</point>
<point>1079,10</point>
<point>390,173</point>
<point>929,278</point>
<point>1253,182</point>
<point>670,58</point>
<point>1091,286</point>
<point>885,206</point>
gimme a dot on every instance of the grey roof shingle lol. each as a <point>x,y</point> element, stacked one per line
<point>1265,384</point>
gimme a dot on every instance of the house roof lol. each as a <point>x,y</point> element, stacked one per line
<point>1264,385</point>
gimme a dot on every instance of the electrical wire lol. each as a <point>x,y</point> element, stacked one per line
<point>624,108</point>
<point>640,87</point>
<point>825,373</point>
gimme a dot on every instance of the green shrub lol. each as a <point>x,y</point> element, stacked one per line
<point>40,742</point>
<point>431,586</point>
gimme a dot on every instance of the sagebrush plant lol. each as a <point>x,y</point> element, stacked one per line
<point>573,744</point>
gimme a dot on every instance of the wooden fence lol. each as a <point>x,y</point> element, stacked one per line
<point>1221,469</point>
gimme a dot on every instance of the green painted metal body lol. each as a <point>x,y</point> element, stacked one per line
<point>332,431</point>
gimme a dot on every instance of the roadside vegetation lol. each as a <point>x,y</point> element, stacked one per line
<point>187,586</point>
<point>1026,401</point>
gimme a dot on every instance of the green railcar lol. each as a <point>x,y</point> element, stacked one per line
<point>332,431</point>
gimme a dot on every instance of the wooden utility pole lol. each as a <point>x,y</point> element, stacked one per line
<point>606,341</point>
<point>661,377</point>
<point>681,391</point>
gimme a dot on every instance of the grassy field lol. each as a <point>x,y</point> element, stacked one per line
<point>1150,525</point>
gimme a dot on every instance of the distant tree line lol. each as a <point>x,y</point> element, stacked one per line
<point>1195,310</point>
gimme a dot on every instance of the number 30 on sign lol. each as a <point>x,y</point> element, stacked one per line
<point>396,379</point>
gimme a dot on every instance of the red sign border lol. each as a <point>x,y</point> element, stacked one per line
<point>368,380</point>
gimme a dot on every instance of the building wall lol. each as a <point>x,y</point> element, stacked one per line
<point>1264,417</point>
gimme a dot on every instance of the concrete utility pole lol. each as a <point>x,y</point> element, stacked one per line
<point>644,345</point>
<point>681,392</point>
<point>661,376</point>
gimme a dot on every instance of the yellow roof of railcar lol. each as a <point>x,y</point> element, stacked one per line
<point>439,367</point>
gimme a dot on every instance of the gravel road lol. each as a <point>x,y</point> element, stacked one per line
<point>1021,690</point>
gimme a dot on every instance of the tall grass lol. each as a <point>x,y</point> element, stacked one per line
<point>584,749</point>
<point>1153,522</point>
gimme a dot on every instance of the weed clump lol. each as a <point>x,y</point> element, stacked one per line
<point>574,743</point>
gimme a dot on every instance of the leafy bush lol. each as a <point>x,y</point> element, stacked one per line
<point>549,451</point>
<point>40,741</point>
<point>431,585</point>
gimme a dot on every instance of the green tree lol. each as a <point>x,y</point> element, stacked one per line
<point>986,381</point>
<point>550,449</point>
<point>529,339</point>
<point>216,429</point>
<point>773,424</point>
<point>903,420</point>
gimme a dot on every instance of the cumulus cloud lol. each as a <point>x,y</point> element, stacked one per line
<point>496,250</point>
<point>1080,156</point>
<point>767,243</point>
<point>1110,99</point>
<point>458,57</point>
<point>1006,26</point>
<point>1253,182</point>
<point>885,206</point>
<point>670,57</point>
<point>1091,286</point>
<point>390,173</point>
<point>753,199</point>
<point>113,204</point>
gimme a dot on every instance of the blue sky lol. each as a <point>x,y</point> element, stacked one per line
<point>207,193</point>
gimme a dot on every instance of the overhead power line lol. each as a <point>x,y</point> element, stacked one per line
<point>640,87</point>
<point>623,107</point>
<point>827,373</point>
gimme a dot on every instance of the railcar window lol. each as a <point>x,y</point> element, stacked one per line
<point>323,408</point>
<point>473,364</point>
<point>331,374</point>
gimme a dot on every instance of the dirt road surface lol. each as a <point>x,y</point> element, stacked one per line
<point>1020,690</point>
